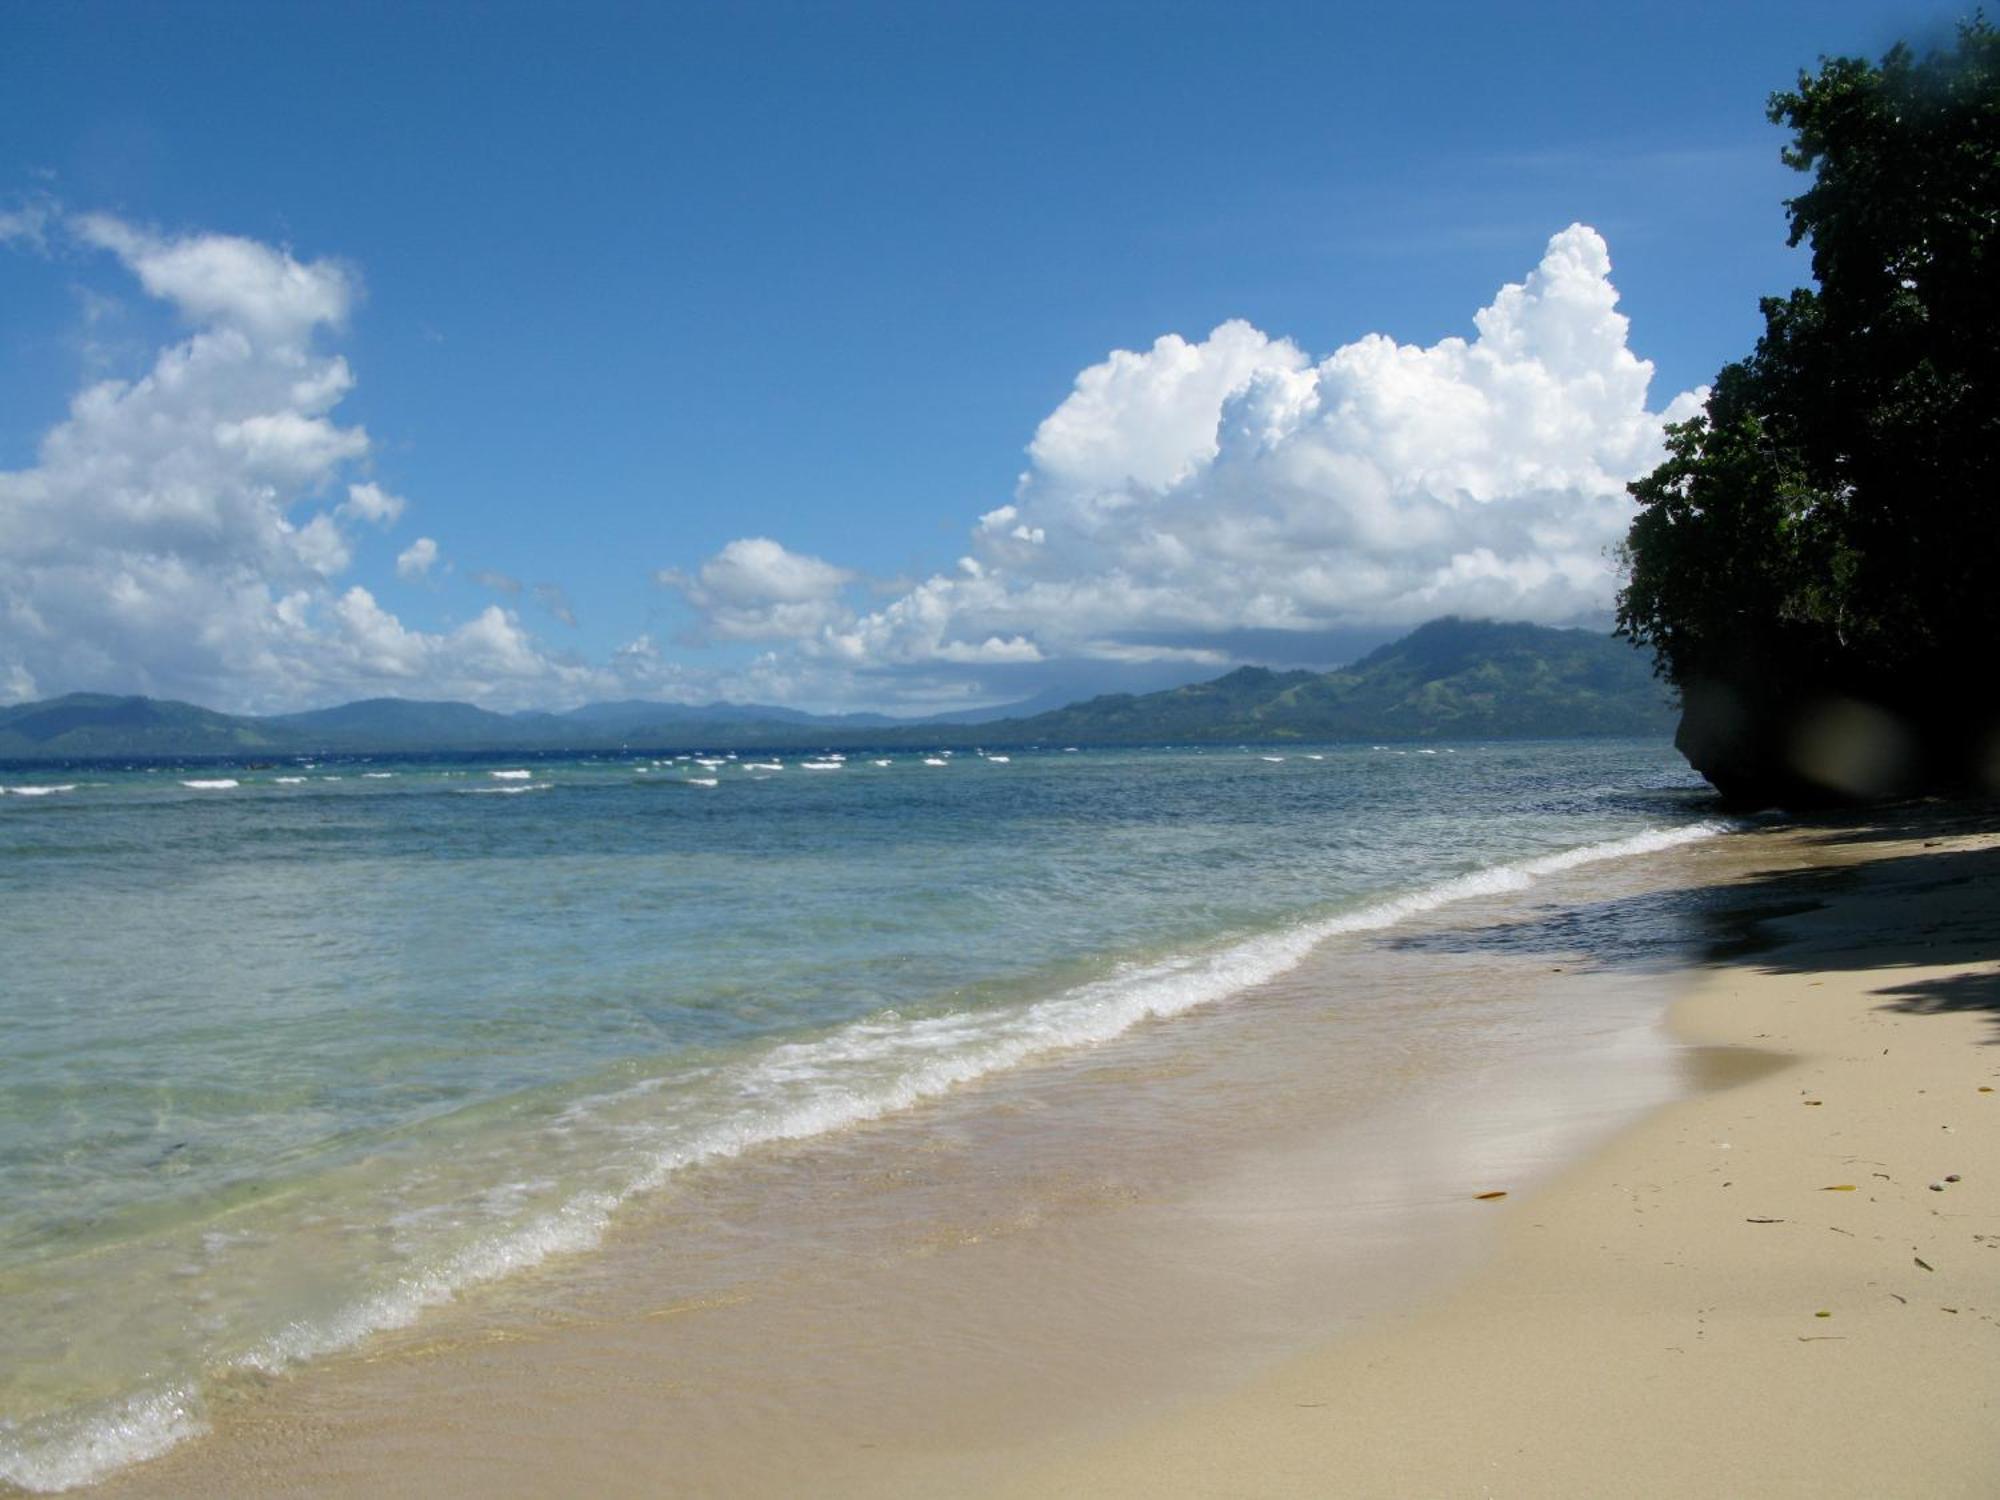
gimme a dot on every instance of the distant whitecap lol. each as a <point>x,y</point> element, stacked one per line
<point>510,775</point>
<point>213,784</point>
<point>932,760</point>
<point>40,791</point>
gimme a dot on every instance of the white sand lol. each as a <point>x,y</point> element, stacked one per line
<point>1704,1307</point>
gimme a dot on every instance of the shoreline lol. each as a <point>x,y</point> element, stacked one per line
<point>1754,1290</point>
<point>1010,1286</point>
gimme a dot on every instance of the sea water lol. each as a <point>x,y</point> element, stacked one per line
<point>293,1053</point>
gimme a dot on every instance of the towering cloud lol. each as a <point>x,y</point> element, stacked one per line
<point>1189,493</point>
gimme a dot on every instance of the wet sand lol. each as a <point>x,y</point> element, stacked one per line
<point>1757,1291</point>
<point>1140,1267</point>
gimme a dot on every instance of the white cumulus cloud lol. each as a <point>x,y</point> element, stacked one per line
<point>754,590</point>
<point>1198,490</point>
<point>225,280</point>
<point>182,531</point>
<point>417,559</point>
<point>370,502</point>
<point>190,529</point>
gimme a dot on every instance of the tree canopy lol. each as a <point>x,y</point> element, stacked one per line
<point>1825,532</point>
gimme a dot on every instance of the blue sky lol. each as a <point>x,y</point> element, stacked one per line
<point>726,325</point>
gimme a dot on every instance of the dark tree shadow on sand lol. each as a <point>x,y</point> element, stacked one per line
<point>1952,993</point>
<point>1919,917</point>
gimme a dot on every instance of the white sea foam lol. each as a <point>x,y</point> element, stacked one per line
<point>213,784</point>
<point>819,765</point>
<point>932,760</point>
<point>39,791</point>
<point>999,760</point>
<point>1274,759</point>
<point>511,775</point>
<point>881,763</point>
<point>701,781</point>
<point>504,791</point>
<point>377,775</point>
<point>792,1091</point>
<point>289,780</point>
<point>82,1446</point>
<point>872,1068</point>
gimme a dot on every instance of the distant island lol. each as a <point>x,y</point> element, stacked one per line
<point>1449,679</point>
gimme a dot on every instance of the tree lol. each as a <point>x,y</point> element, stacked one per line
<point>1821,541</point>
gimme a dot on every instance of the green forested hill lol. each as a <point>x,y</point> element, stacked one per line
<point>413,723</point>
<point>1450,679</point>
<point>98,724</point>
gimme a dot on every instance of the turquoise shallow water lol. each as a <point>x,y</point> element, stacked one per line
<point>294,1052</point>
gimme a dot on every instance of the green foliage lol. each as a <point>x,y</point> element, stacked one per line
<point>1828,527</point>
<point>90,724</point>
<point>1450,679</point>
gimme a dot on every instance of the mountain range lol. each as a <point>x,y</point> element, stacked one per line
<point>1449,679</point>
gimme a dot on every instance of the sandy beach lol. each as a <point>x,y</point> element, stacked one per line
<point>1789,1285</point>
<point>1205,1260</point>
